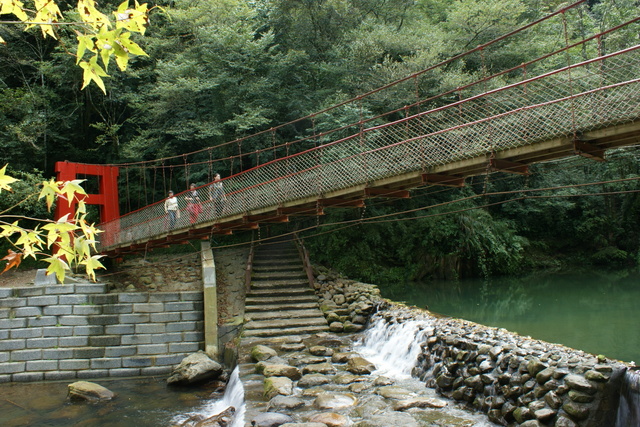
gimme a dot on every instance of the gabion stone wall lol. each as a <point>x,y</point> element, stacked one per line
<point>517,380</point>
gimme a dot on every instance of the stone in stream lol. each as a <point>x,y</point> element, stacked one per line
<point>223,419</point>
<point>285,402</point>
<point>287,347</point>
<point>360,366</point>
<point>344,378</point>
<point>91,392</point>
<point>334,400</point>
<point>330,419</point>
<point>301,359</point>
<point>319,368</point>
<point>291,372</point>
<point>389,419</point>
<point>342,357</point>
<point>393,392</point>
<point>274,386</point>
<point>195,368</point>
<point>304,425</point>
<point>270,419</point>
<point>359,387</point>
<point>313,380</point>
<point>382,381</point>
<point>419,402</point>
<point>262,352</point>
<point>320,350</point>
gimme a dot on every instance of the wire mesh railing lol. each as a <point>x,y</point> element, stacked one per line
<point>600,92</point>
<point>572,89</point>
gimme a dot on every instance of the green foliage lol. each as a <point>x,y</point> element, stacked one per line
<point>611,257</point>
<point>22,200</point>
<point>222,70</point>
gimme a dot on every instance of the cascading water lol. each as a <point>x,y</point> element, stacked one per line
<point>393,342</point>
<point>233,396</point>
<point>629,406</point>
<point>394,345</point>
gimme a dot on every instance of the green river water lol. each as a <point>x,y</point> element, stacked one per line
<point>594,311</point>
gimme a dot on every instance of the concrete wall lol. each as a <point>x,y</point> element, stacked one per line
<point>79,331</point>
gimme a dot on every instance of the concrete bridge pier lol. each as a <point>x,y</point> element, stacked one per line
<point>210,301</point>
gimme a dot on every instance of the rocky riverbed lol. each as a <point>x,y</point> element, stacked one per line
<point>324,380</point>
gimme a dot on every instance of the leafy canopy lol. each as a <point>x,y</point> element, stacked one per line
<point>100,37</point>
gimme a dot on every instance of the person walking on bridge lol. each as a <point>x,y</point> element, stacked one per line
<point>216,194</point>
<point>171,209</point>
<point>193,204</point>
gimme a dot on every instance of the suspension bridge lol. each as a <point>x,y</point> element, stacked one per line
<point>579,98</point>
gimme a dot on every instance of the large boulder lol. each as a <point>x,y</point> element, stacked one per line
<point>92,392</point>
<point>195,368</point>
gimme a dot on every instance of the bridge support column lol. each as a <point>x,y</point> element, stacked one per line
<point>210,301</point>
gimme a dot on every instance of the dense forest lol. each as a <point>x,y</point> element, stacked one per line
<point>221,70</point>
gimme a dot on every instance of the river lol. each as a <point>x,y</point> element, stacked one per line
<point>594,311</point>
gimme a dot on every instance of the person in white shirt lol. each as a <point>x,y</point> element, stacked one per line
<point>171,209</point>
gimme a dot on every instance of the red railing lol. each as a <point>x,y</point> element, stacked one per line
<point>590,91</point>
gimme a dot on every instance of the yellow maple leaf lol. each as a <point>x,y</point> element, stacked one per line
<point>91,264</point>
<point>57,266</point>
<point>71,190</point>
<point>5,180</point>
<point>93,72</point>
<point>49,191</point>
<point>10,229</point>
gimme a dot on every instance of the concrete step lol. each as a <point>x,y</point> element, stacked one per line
<point>286,299</point>
<point>284,314</point>
<point>275,292</point>
<point>277,275</point>
<point>281,283</point>
<point>280,332</point>
<point>279,307</point>
<point>276,262</point>
<point>292,266</point>
<point>287,323</point>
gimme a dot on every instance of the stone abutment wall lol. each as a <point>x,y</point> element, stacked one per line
<point>58,332</point>
<point>518,380</point>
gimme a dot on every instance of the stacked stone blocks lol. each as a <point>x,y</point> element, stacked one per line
<point>80,331</point>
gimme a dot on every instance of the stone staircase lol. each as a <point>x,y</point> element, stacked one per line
<point>281,310</point>
<point>280,302</point>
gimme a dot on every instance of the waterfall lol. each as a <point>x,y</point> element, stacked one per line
<point>233,396</point>
<point>394,345</point>
<point>629,406</point>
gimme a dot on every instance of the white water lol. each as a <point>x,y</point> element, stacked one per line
<point>394,347</point>
<point>233,396</point>
<point>629,406</point>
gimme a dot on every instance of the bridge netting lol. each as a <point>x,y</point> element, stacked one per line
<point>565,92</point>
